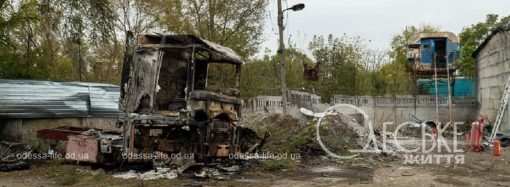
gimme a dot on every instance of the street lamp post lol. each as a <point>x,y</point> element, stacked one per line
<point>281,49</point>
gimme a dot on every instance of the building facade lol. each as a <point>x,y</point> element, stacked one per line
<point>493,70</point>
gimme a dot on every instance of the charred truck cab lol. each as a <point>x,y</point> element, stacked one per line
<point>180,94</point>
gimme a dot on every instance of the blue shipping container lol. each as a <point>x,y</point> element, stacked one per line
<point>462,87</point>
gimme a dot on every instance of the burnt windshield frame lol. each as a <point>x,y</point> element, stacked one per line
<point>236,76</point>
<point>200,69</point>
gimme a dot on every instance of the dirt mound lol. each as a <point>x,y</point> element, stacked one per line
<point>287,134</point>
<point>340,133</point>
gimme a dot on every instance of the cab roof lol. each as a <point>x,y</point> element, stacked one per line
<point>217,52</point>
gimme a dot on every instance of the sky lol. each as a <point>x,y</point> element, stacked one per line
<point>375,21</point>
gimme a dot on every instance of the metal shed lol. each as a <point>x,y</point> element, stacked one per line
<point>47,99</point>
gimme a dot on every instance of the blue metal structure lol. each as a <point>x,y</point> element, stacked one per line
<point>429,48</point>
<point>463,87</point>
<point>438,47</point>
<point>427,51</point>
<point>432,57</point>
<point>453,51</point>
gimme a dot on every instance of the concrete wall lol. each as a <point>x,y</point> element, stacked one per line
<point>493,65</point>
<point>25,130</point>
<point>380,109</point>
<point>303,99</point>
<point>399,109</point>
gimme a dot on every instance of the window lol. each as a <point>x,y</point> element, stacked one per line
<point>222,76</point>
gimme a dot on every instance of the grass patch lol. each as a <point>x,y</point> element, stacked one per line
<point>74,175</point>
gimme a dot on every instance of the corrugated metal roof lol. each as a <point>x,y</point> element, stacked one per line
<point>451,36</point>
<point>47,99</point>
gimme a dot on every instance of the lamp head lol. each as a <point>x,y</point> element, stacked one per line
<point>297,7</point>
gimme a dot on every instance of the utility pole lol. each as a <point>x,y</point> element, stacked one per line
<point>78,40</point>
<point>436,88</point>
<point>79,60</point>
<point>281,49</point>
<point>450,108</point>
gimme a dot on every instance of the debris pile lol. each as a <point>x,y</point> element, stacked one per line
<point>217,172</point>
<point>158,173</point>
<point>340,132</point>
<point>286,134</point>
<point>11,155</point>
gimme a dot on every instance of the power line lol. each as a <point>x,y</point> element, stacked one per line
<point>270,19</point>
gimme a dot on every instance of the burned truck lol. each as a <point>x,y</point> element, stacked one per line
<point>180,94</point>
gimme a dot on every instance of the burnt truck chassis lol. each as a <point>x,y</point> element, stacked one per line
<point>206,141</point>
<point>168,106</point>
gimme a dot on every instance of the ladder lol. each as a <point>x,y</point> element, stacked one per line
<point>501,111</point>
